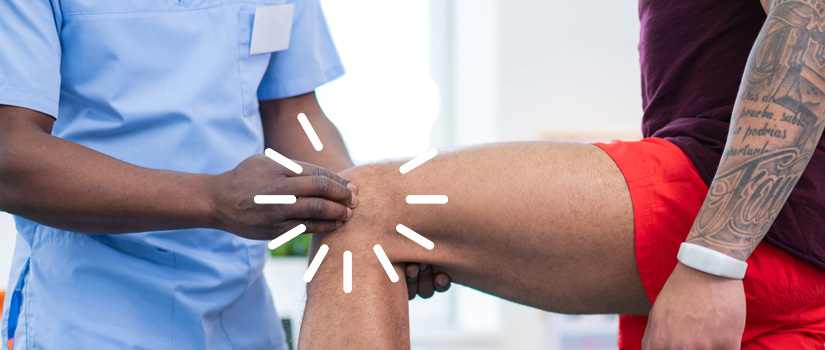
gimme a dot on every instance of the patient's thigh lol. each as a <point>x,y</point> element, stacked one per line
<point>569,246</point>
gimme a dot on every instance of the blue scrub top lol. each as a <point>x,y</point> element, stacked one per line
<point>163,84</point>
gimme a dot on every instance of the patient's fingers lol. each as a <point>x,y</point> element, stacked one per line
<point>426,283</point>
<point>416,275</point>
<point>442,282</point>
<point>411,273</point>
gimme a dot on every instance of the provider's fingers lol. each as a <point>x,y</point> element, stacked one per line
<point>313,170</point>
<point>321,209</point>
<point>322,187</point>
<point>312,226</point>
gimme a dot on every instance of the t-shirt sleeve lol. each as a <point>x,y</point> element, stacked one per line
<point>29,55</point>
<point>310,61</point>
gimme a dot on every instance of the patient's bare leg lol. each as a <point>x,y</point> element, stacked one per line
<point>543,224</point>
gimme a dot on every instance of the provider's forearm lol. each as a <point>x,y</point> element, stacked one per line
<point>283,132</point>
<point>62,184</point>
<point>778,121</point>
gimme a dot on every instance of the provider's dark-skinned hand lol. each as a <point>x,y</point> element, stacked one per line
<point>325,199</point>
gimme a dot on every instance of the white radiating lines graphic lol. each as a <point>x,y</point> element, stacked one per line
<point>294,232</point>
<point>415,237</point>
<point>430,154</point>
<point>347,271</point>
<point>426,199</point>
<point>418,199</point>
<point>286,162</point>
<point>275,199</point>
<point>313,137</point>
<point>385,262</point>
<point>316,262</point>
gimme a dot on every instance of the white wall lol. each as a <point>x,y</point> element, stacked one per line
<point>568,66</point>
<point>386,103</point>
<point>520,70</point>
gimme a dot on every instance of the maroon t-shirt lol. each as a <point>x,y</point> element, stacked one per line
<point>693,55</point>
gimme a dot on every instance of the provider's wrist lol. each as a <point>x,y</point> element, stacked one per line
<point>207,213</point>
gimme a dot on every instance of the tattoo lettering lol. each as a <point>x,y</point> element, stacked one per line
<point>749,196</point>
<point>753,113</point>
<point>746,150</point>
<point>766,131</point>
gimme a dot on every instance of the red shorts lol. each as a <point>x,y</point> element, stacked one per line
<point>785,295</point>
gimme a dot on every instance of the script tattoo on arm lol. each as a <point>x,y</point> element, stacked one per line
<point>777,122</point>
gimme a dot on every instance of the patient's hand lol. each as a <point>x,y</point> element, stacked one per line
<point>424,280</point>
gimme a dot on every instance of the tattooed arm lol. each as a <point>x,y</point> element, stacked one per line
<point>776,124</point>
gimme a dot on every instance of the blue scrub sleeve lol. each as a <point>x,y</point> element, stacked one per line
<point>310,61</point>
<point>29,55</point>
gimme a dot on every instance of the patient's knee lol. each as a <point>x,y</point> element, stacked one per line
<point>381,207</point>
<point>378,206</point>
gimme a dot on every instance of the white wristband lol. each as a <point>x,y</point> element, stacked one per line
<point>710,261</point>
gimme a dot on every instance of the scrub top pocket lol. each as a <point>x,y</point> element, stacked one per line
<point>251,68</point>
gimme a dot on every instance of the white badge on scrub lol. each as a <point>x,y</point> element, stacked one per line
<point>271,28</point>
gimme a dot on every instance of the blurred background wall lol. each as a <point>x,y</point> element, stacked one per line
<point>449,73</point>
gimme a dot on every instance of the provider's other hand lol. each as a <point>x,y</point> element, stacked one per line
<point>325,199</point>
<point>696,310</point>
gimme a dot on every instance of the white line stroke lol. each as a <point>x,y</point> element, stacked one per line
<point>347,271</point>
<point>415,237</point>
<point>286,162</point>
<point>275,199</point>
<point>430,154</point>
<point>316,262</point>
<point>313,137</point>
<point>286,237</point>
<point>385,262</point>
<point>426,199</point>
